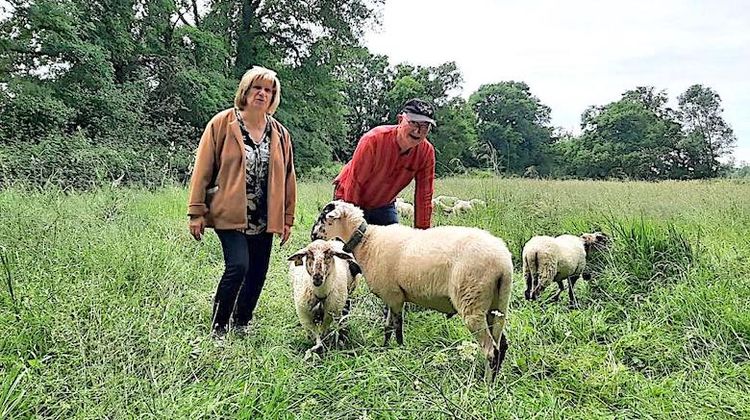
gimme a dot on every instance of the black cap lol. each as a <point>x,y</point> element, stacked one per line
<point>418,110</point>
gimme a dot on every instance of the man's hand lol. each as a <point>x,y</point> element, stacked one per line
<point>197,225</point>
<point>285,235</point>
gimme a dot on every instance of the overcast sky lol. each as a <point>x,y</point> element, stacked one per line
<point>578,53</point>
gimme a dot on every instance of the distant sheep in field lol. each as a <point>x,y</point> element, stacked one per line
<point>403,208</point>
<point>462,206</point>
<point>444,200</point>
<point>323,276</point>
<point>547,259</point>
<point>451,269</point>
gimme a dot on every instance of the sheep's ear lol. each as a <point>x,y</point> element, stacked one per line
<point>297,256</point>
<point>354,268</point>
<point>343,255</point>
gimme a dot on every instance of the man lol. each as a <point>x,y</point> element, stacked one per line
<point>386,160</point>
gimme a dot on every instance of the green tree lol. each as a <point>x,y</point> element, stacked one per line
<point>514,123</point>
<point>454,137</point>
<point>705,128</point>
<point>631,138</point>
<point>366,80</point>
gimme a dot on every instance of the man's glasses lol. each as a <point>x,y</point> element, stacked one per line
<point>419,125</point>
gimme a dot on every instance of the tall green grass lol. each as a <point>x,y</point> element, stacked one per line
<point>112,300</point>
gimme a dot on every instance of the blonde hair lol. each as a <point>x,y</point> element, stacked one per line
<point>250,77</point>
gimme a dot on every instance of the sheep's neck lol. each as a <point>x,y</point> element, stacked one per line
<point>362,252</point>
<point>356,236</point>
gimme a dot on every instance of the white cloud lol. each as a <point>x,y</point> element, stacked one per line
<point>579,53</point>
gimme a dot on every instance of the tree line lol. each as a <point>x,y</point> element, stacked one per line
<point>103,90</point>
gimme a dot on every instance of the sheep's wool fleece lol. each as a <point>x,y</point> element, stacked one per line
<point>429,266</point>
<point>563,255</point>
<point>304,292</point>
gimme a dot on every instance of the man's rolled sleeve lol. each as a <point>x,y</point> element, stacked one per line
<point>424,181</point>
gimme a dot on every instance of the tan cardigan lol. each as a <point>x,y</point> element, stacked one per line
<point>221,149</point>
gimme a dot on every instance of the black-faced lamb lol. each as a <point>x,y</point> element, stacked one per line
<point>450,269</point>
<point>323,276</point>
<point>547,259</point>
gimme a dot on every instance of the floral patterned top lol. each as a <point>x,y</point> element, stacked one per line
<point>256,177</point>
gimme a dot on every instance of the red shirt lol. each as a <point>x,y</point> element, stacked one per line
<point>379,171</point>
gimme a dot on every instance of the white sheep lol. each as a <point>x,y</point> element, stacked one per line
<point>477,202</point>
<point>461,206</point>
<point>450,269</point>
<point>446,200</point>
<point>404,209</point>
<point>547,259</point>
<point>323,276</point>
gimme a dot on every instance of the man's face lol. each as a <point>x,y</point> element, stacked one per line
<point>413,132</point>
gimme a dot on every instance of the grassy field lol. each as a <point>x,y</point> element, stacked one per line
<point>113,299</point>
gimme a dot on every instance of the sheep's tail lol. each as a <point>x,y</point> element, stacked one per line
<point>497,318</point>
<point>498,313</point>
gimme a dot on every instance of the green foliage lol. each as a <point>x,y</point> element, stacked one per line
<point>454,137</point>
<point>129,77</point>
<point>649,254</point>
<point>710,135</point>
<point>633,138</point>
<point>30,111</point>
<point>514,126</point>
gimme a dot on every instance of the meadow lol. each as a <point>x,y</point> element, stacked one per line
<point>111,301</point>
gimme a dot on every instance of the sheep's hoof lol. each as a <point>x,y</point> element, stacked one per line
<point>341,338</point>
<point>489,373</point>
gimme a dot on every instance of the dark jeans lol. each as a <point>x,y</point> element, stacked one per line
<point>246,260</point>
<point>383,216</point>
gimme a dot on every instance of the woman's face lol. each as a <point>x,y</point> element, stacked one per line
<point>260,95</point>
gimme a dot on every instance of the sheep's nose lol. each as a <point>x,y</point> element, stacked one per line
<point>314,233</point>
<point>317,279</point>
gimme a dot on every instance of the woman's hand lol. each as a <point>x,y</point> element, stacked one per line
<point>196,225</point>
<point>285,235</point>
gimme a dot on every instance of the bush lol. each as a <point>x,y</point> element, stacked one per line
<point>652,254</point>
<point>73,161</point>
<point>322,173</point>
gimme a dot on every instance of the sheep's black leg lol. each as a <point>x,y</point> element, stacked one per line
<point>388,325</point>
<point>529,285</point>
<point>398,321</point>
<point>347,308</point>
<point>561,287</point>
<point>502,347</point>
<point>571,283</point>
<point>342,333</point>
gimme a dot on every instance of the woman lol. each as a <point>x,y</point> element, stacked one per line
<point>244,186</point>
